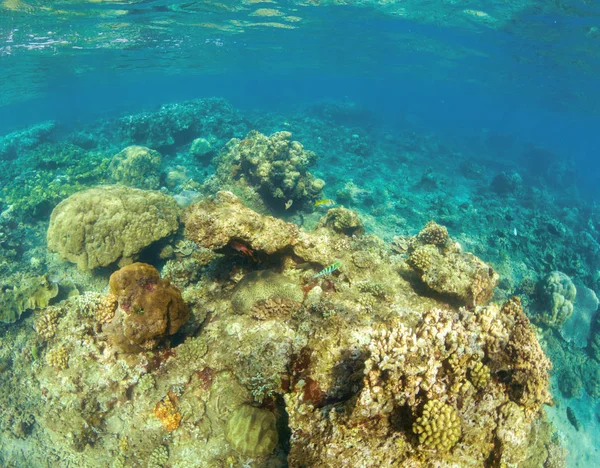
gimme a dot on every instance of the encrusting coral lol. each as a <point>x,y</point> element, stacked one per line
<point>109,224</point>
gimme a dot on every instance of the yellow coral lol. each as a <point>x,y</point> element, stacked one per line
<point>439,426</point>
<point>105,310</point>
<point>46,323</point>
<point>58,358</point>
<point>479,375</point>
<point>434,234</point>
<point>167,412</point>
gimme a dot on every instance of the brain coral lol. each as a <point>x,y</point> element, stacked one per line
<point>149,308</point>
<point>108,224</point>
<point>136,166</point>
<point>252,431</point>
<point>215,222</point>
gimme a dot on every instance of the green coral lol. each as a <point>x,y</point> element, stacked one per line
<point>57,171</point>
<point>191,352</point>
<point>252,431</point>
<point>265,288</point>
<point>32,293</point>
<point>438,427</point>
<point>159,457</point>
<point>136,166</point>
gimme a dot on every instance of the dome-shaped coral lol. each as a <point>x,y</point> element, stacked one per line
<point>136,166</point>
<point>104,225</point>
<point>149,308</point>
<point>439,426</point>
<point>252,431</point>
<point>557,294</point>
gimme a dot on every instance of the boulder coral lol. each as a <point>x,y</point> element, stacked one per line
<point>252,431</point>
<point>149,308</point>
<point>557,295</point>
<point>136,166</point>
<point>109,224</point>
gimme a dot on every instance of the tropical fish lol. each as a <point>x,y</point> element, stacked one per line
<point>288,204</point>
<point>330,269</point>
<point>325,202</point>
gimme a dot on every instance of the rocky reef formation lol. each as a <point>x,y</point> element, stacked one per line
<point>109,224</point>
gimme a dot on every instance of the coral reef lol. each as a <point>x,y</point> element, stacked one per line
<point>395,357</point>
<point>148,308</point>
<point>105,225</point>
<point>136,166</point>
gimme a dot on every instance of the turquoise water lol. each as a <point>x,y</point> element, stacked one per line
<point>482,117</point>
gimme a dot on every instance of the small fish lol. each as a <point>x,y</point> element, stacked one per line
<point>288,204</point>
<point>330,269</point>
<point>325,202</point>
<point>515,233</point>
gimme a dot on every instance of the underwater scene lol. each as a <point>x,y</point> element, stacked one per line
<point>299,233</point>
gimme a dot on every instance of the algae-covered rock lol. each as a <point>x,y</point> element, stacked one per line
<point>557,295</point>
<point>149,308</point>
<point>216,222</point>
<point>445,269</point>
<point>108,224</point>
<point>136,166</point>
<point>252,431</point>
<point>265,294</point>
